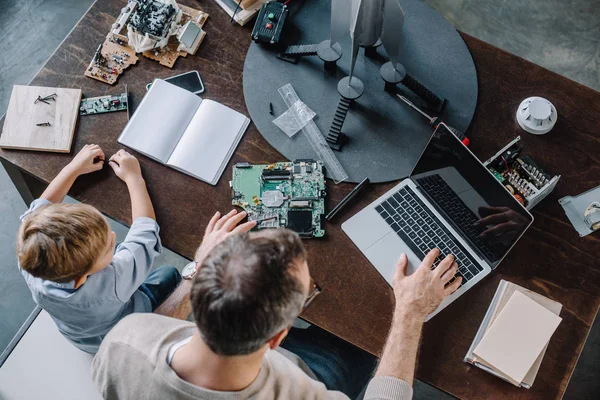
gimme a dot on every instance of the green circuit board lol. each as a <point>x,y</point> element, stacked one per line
<point>103,104</point>
<point>283,194</point>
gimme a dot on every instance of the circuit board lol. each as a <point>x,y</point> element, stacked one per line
<point>103,104</point>
<point>116,53</point>
<point>520,175</point>
<point>284,194</point>
<point>110,60</point>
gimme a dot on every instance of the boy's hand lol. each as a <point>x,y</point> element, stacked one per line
<point>89,159</point>
<point>126,166</point>
<point>218,229</point>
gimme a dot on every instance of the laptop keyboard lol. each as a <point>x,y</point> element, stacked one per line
<point>456,209</point>
<point>422,231</point>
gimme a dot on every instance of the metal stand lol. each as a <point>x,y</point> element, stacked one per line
<point>324,50</point>
<point>393,75</point>
<point>335,138</point>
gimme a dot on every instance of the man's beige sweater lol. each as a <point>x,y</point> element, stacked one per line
<point>132,364</point>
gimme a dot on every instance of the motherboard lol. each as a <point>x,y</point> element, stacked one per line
<point>284,194</point>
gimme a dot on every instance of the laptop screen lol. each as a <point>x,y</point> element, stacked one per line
<point>485,214</point>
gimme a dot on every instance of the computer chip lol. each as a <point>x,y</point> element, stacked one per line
<point>300,221</point>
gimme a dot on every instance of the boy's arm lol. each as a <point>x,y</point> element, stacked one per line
<point>127,168</point>
<point>178,305</point>
<point>83,163</point>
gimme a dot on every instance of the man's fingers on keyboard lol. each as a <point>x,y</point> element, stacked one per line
<point>444,265</point>
<point>430,258</point>
<point>450,272</point>
<point>451,288</point>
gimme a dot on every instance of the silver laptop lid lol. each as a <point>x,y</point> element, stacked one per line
<point>459,186</point>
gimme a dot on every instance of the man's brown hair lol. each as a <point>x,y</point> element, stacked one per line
<point>247,290</point>
<point>61,242</point>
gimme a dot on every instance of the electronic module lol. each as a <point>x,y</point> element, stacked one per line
<point>284,194</point>
<point>520,175</point>
<point>104,104</point>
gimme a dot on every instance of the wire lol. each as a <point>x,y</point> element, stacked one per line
<point>505,163</point>
<point>286,2</point>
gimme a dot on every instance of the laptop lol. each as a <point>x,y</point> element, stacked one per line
<point>451,202</point>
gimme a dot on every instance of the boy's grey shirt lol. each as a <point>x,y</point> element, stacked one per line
<point>86,314</point>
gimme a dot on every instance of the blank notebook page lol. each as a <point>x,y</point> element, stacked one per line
<point>517,336</point>
<point>209,141</point>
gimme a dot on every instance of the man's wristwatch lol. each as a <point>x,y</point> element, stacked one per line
<point>189,270</point>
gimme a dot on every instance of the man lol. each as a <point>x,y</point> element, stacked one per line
<point>246,294</point>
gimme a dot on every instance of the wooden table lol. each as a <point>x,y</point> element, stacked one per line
<point>357,304</point>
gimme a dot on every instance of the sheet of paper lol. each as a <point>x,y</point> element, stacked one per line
<point>209,141</point>
<point>160,120</point>
<point>517,337</point>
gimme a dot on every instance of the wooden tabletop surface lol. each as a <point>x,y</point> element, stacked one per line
<point>357,303</point>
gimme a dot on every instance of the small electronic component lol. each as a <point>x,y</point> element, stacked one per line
<point>520,175</point>
<point>104,104</point>
<point>269,23</point>
<point>283,194</point>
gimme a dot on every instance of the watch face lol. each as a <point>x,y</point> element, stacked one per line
<point>189,270</point>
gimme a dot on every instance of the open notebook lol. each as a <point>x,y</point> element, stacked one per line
<point>185,132</point>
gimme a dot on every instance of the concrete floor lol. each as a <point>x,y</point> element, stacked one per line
<point>561,35</point>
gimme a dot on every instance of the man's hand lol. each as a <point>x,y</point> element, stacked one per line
<point>218,229</point>
<point>89,159</point>
<point>417,296</point>
<point>126,166</point>
<point>423,291</point>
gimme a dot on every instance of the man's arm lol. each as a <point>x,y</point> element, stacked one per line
<point>400,352</point>
<point>128,169</point>
<point>417,296</point>
<point>178,304</point>
<point>83,163</point>
<point>218,229</point>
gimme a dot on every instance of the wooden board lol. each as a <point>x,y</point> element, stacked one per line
<point>110,71</point>
<point>20,130</point>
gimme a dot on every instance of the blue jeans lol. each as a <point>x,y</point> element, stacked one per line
<point>336,363</point>
<point>160,284</point>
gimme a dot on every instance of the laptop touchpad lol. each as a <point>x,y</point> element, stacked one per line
<point>384,255</point>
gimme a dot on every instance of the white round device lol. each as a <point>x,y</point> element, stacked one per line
<point>536,115</point>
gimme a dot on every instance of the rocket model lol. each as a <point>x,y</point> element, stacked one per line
<point>370,23</point>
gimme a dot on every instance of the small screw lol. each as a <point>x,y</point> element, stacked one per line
<point>40,99</point>
<point>43,124</point>
<point>51,97</point>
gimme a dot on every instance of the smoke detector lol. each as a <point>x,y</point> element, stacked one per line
<point>536,115</point>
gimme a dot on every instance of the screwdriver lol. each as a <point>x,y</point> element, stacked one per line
<point>435,122</point>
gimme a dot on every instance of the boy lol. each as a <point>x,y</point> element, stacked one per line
<point>67,254</point>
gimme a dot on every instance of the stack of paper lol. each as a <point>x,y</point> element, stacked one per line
<point>514,334</point>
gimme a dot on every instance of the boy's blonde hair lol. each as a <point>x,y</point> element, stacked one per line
<point>61,242</point>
